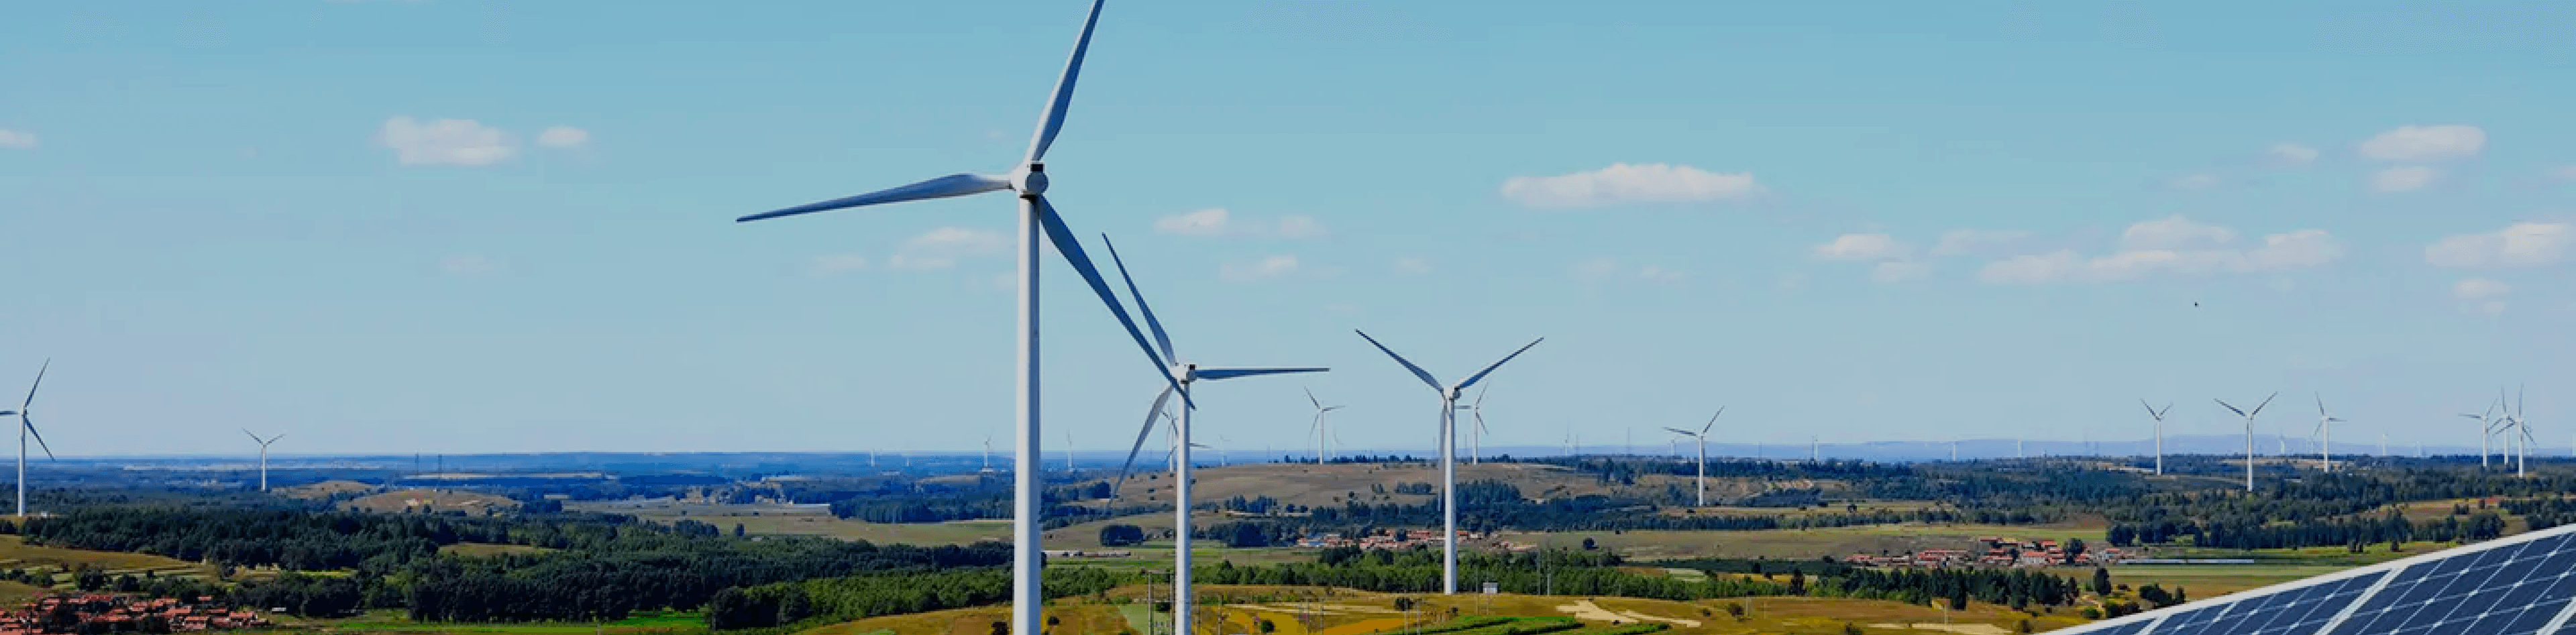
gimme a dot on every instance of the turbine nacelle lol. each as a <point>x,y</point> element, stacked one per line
<point>1029,179</point>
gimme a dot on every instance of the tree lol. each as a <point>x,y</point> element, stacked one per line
<point>1735,610</point>
<point>1588,545</point>
<point>1001,627</point>
<point>1267,627</point>
<point>1121,535</point>
<point>1797,582</point>
<point>2101,581</point>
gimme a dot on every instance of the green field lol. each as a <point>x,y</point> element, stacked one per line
<point>1799,544</point>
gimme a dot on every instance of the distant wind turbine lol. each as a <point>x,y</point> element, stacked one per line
<point>1448,452</point>
<point>2249,434</point>
<point>1476,435</point>
<point>2160,432</point>
<point>263,455</point>
<point>26,428</point>
<point>1028,181</point>
<point>1321,432</point>
<point>2486,432</point>
<point>1702,437</point>
<point>2325,433</point>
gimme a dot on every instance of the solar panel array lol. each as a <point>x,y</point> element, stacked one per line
<point>2525,585</point>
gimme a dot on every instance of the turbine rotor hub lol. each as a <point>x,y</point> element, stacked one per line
<point>1029,179</point>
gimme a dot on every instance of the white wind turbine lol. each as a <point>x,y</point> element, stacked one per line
<point>1321,432</point>
<point>2518,435</point>
<point>1178,376</point>
<point>1476,435</point>
<point>1702,437</point>
<point>263,455</point>
<point>988,455</point>
<point>2325,435</point>
<point>1448,453</point>
<point>2486,432</point>
<point>26,428</point>
<point>2160,432</point>
<point>1028,181</point>
<point>2249,434</point>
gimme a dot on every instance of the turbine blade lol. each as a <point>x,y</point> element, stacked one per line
<point>1052,121</point>
<point>1071,249</point>
<point>1480,398</point>
<point>40,437</point>
<point>2223,404</point>
<point>1682,432</point>
<point>1471,380</point>
<point>1333,408</point>
<point>1408,365</point>
<point>2267,400</point>
<point>1712,420</point>
<point>40,381</point>
<point>1130,465</point>
<point>942,187</point>
<point>1480,421</point>
<point>1230,373</point>
<point>2321,404</point>
<point>253,437</point>
<point>1310,397</point>
<point>1160,338</point>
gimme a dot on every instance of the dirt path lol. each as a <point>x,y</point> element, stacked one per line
<point>1586,610</point>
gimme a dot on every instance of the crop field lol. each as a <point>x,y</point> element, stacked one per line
<point>15,553</point>
<point>1800,544</point>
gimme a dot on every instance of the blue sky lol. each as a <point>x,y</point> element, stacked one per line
<point>451,226</point>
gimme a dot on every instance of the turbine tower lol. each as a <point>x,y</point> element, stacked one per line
<point>26,428</point>
<point>1448,452</point>
<point>1029,182</point>
<point>1321,432</point>
<point>1178,377</point>
<point>1702,437</point>
<point>2249,434</point>
<point>2486,432</point>
<point>1476,435</point>
<point>2325,434</point>
<point>263,455</point>
<point>2160,432</point>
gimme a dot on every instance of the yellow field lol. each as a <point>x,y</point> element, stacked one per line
<point>430,500</point>
<point>1316,611</point>
<point>324,490</point>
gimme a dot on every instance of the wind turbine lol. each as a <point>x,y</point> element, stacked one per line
<point>2249,434</point>
<point>1702,437</point>
<point>263,455</point>
<point>2160,432</point>
<point>1476,435</point>
<point>27,427</point>
<point>1028,181</point>
<point>1178,376</point>
<point>1068,451</point>
<point>1320,431</point>
<point>2519,435</point>
<point>2486,431</point>
<point>2325,432</point>
<point>1448,452</point>
<point>988,454</point>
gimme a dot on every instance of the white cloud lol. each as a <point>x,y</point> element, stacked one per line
<point>2173,233</point>
<point>444,142</point>
<point>2194,182</point>
<point>2524,244</point>
<point>2405,178</point>
<point>836,264</point>
<point>1412,266</point>
<point>469,265</point>
<point>1861,247</point>
<point>2175,246</point>
<point>2480,289</point>
<point>1899,271</point>
<point>1216,222</point>
<point>1271,267</point>
<point>15,139</point>
<point>941,248</point>
<point>1623,183</point>
<point>1652,272</point>
<point>2425,143</point>
<point>1968,241</point>
<point>563,137</point>
<point>2292,153</point>
<point>2567,172</point>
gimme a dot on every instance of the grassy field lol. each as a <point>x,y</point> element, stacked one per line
<point>1310,611</point>
<point>16,553</point>
<point>432,500</point>
<point>1801,544</point>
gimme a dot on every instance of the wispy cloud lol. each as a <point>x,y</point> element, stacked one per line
<point>941,248</point>
<point>2524,244</point>
<point>2405,178</point>
<point>2173,245</point>
<point>2190,182</point>
<point>1893,272</point>
<point>1861,247</point>
<point>1412,266</point>
<point>1217,222</point>
<point>444,142</point>
<point>16,139</point>
<point>2292,153</point>
<point>563,137</point>
<point>1263,269</point>
<point>2482,295</point>
<point>2417,144</point>
<point>470,265</point>
<point>1623,183</point>
<point>1977,241</point>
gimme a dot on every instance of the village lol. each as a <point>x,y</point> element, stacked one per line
<point>94,613</point>
<point>1998,552</point>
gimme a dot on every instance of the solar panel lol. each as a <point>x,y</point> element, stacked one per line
<point>2524,585</point>
<point>2481,594</point>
